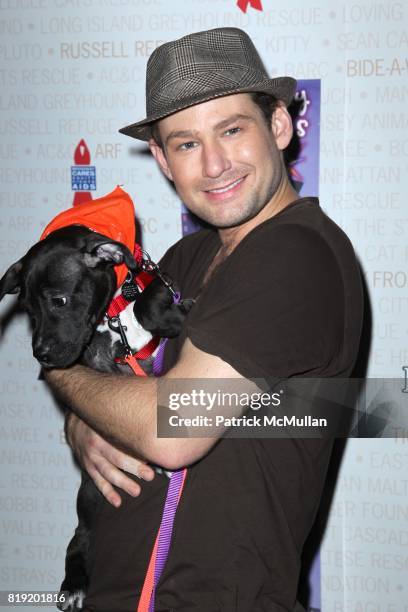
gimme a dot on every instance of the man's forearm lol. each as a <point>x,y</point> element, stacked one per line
<point>121,408</point>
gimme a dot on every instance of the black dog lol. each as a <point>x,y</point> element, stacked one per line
<point>66,283</point>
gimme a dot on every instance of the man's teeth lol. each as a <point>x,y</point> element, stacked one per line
<point>227,187</point>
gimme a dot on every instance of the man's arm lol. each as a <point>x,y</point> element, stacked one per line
<point>123,409</point>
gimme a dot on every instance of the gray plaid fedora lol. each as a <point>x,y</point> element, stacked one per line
<point>200,67</point>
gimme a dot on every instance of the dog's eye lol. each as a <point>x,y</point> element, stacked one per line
<point>59,301</point>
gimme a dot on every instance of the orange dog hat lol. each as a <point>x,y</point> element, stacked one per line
<point>112,215</point>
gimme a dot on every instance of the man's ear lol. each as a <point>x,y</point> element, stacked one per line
<point>100,249</point>
<point>160,157</point>
<point>10,283</point>
<point>282,127</point>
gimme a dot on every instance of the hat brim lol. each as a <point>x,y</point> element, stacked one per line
<point>282,88</point>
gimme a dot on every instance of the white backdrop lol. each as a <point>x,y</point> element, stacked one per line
<point>73,69</point>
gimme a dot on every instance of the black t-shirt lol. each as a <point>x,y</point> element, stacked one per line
<point>286,303</point>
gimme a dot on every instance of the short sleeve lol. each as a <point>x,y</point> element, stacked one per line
<point>275,306</point>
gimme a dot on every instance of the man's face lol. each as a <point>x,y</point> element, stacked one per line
<point>223,159</point>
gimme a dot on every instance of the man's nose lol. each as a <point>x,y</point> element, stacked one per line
<point>215,159</point>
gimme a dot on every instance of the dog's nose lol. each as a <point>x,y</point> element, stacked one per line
<point>42,353</point>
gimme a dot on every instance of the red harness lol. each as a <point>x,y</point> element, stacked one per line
<point>120,302</point>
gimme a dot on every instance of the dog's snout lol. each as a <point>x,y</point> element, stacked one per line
<point>42,351</point>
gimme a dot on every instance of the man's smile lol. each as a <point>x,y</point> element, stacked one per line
<point>226,191</point>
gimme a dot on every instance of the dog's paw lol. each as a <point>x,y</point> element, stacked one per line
<point>187,304</point>
<point>73,601</point>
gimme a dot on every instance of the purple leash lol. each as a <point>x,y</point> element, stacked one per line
<point>166,528</point>
<point>158,361</point>
<point>172,498</point>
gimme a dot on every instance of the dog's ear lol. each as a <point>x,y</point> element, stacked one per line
<point>100,249</point>
<point>10,283</point>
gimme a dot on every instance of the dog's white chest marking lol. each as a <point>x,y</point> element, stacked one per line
<point>136,335</point>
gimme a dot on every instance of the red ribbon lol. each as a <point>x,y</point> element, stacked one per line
<point>243,5</point>
<point>82,157</point>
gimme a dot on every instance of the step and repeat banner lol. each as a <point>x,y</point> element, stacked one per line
<point>71,74</point>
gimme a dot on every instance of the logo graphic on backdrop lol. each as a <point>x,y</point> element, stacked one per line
<point>83,175</point>
<point>304,172</point>
<point>243,5</point>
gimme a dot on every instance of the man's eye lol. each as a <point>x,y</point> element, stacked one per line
<point>186,146</point>
<point>233,130</point>
<point>59,301</point>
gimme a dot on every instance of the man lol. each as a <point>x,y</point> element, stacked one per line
<point>278,295</point>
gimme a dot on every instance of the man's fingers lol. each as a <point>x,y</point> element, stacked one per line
<point>146,472</point>
<point>136,466</point>
<point>105,487</point>
<point>104,462</point>
<point>129,464</point>
<point>112,475</point>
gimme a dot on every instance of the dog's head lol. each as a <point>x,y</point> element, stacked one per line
<point>65,283</point>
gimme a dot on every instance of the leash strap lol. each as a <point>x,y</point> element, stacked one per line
<point>158,361</point>
<point>148,584</point>
<point>144,353</point>
<point>148,348</point>
<point>162,544</point>
<point>163,539</point>
<point>132,362</point>
<point>119,303</point>
<point>116,306</point>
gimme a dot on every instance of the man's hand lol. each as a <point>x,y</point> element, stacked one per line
<point>101,460</point>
